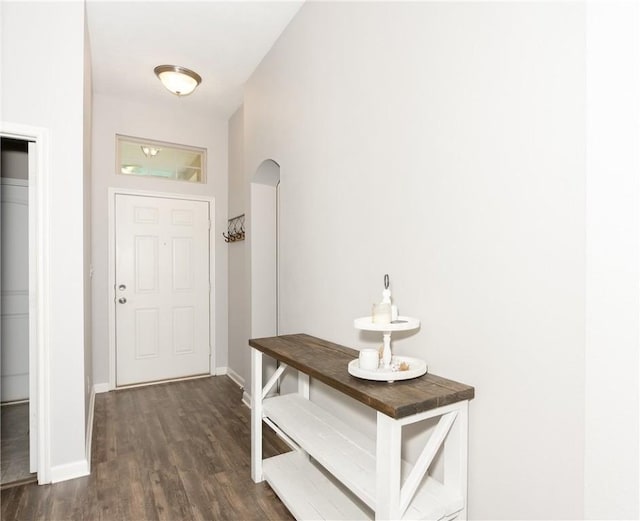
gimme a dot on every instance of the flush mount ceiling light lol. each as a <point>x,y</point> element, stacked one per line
<point>179,80</point>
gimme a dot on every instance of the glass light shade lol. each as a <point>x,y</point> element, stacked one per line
<point>178,80</point>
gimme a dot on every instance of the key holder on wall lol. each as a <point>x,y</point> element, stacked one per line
<point>235,229</point>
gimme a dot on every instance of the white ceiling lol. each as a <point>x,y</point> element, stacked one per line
<point>223,41</point>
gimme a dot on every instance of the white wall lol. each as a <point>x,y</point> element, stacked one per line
<point>613,233</point>
<point>42,86</point>
<point>444,144</point>
<point>263,236</point>
<point>239,310</point>
<point>172,123</point>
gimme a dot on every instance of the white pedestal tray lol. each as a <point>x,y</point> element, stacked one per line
<point>388,369</point>
<point>417,368</point>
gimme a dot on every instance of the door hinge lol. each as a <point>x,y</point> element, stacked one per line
<point>209,224</point>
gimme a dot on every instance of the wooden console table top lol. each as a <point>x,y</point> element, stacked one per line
<point>327,362</point>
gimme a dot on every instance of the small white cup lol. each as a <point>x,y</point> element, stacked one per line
<point>368,359</point>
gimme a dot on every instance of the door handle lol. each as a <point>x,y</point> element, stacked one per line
<point>122,287</point>
<point>122,300</point>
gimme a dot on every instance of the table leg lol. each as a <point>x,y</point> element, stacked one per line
<point>256,415</point>
<point>303,385</point>
<point>455,456</point>
<point>388,457</point>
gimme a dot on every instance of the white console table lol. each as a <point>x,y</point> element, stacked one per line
<point>338,473</point>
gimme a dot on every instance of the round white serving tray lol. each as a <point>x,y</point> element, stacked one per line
<point>417,368</point>
<point>405,324</point>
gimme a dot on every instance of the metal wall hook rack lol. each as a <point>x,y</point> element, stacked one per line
<point>235,229</point>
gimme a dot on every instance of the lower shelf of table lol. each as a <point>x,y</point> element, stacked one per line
<point>346,454</point>
<point>307,492</point>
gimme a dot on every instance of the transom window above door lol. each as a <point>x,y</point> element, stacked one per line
<point>144,157</point>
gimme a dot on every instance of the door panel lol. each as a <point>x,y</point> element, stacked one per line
<point>146,264</point>
<point>162,288</point>
<point>146,330</point>
<point>182,274</point>
<point>183,322</point>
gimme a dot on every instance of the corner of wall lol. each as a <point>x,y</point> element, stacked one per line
<point>239,380</point>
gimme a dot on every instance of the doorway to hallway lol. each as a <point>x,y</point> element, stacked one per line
<point>14,314</point>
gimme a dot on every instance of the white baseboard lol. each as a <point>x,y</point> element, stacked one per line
<point>97,389</point>
<point>101,388</point>
<point>89,427</point>
<point>220,371</point>
<point>246,399</point>
<point>235,377</point>
<point>73,470</point>
<point>239,381</point>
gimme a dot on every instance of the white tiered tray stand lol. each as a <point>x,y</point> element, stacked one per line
<point>385,372</point>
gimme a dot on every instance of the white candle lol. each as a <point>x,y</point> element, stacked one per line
<point>381,313</point>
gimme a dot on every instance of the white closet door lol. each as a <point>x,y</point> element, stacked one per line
<point>15,290</point>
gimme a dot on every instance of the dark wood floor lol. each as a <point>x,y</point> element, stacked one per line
<point>14,444</point>
<point>176,451</point>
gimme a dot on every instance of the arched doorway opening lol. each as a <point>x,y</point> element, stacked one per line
<point>263,233</point>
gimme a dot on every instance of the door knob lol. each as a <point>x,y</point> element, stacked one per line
<point>122,300</point>
<point>122,287</point>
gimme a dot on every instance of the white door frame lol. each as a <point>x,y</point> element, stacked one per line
<point>40,270</point>
<point>112,271</point>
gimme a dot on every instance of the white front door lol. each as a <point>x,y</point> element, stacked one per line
<point>162,288</point>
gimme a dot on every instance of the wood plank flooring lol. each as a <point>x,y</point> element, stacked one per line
<point>14,444</point>
<point>175,451</point>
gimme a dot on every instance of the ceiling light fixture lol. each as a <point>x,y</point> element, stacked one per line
<point>179,80</point>
<point>150,151</point>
